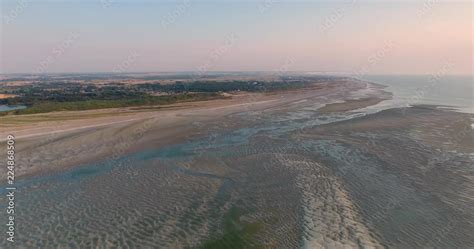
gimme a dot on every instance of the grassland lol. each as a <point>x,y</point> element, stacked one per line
<point>52,106</point>
<point>51,93</point>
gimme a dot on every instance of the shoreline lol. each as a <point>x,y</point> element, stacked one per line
<point>57,141</point>
<point>338,168</point>
<point>143,129</point>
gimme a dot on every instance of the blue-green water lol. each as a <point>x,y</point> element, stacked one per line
<point>446,90</point>
<point>11,107</point>
<point>300,173</point>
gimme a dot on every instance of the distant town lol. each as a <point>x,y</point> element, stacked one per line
<point>70,92</point>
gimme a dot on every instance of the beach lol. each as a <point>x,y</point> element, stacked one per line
<point>237,124</point>
<point>67,139</point>
<point>299,168</point>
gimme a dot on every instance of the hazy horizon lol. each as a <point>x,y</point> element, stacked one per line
<point>237,123</point>
<point>348,37</point>
<point>217,72</point>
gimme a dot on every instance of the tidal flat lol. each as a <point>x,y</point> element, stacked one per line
<point>306,168</point>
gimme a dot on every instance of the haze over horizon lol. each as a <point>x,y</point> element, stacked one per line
<point>419,37</point>
<point>237,124</point>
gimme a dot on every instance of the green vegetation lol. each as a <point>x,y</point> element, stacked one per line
<point>223,86</point>
<point>63,92</point>
<point>236,234</point>
<point>72,92</point>
<point>51,106</point>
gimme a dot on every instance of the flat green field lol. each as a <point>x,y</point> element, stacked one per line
<point>50,106</point>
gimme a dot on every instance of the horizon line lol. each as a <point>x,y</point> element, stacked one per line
<point>212,72</point>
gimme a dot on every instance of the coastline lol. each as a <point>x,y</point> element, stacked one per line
<point>290,167</point>
<point>58,141</point>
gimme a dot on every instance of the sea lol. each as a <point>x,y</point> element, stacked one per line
<point>4,108</point>
<point>304,187</point>
<point>453,91</point>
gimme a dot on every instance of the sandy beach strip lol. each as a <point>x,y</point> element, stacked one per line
<point>57,141</point>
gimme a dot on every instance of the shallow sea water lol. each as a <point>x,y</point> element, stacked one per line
<point>296,181</point>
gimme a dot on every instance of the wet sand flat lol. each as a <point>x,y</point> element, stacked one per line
<point>408,170</point>
<point>60,140</point>
<point>277,171</point>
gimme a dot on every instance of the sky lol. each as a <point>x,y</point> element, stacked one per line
<point>358,37</point>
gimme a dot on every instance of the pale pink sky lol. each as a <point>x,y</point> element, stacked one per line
<point>412,37</point>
